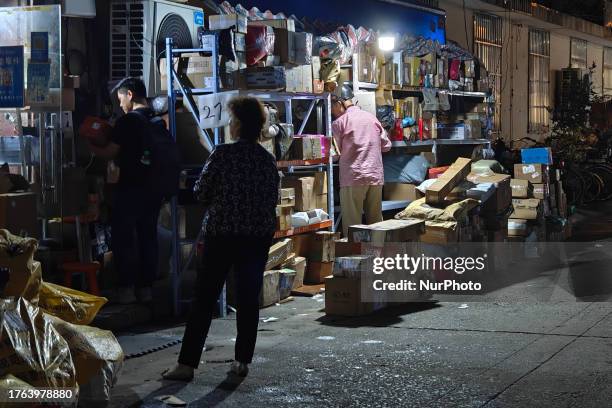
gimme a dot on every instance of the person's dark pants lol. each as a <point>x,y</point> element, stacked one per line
<point>248,257</point>
<point>134,237</point>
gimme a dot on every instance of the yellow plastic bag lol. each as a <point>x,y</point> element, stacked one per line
<point>30,347</point>
<point>25,275</point>
<point>97,357</point>
<point>68,304</point>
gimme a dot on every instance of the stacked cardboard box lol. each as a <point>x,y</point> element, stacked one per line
<point>531,200</point>
<point>284,209</point>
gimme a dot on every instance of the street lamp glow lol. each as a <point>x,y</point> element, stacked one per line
<point>386,43</point>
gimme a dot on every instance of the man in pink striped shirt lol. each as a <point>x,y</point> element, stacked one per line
<point>361,140</point>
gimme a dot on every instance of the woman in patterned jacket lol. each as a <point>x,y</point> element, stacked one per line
<point>239,188</point>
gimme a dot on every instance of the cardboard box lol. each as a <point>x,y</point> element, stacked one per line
<point>355,266</point>
<point>527,209</point>
<point>458,171</point>
<point>270,290</point>
<point>316,68</point>
<point>518,228</point>
<point>190,67</point>
<point>284,45</point>
<point>286,197</point>
<point>387,231</point>
<point>284,23</point>
<point>521,188</point>
<point>318,86</point>
<point>345,248</point>
<point>306,148</point>
<point>502,198</point>
<point>286,277</point>
<point>71,81</point>
<point>18,213</point>
<point>302,52</point>
<point>268,78</point>
<point>343,298</point>
<point>536,173</point>
<point>297,264</point>
<point>540,191</point>
<point>401,192</point>
<point>322,246</point>
<point>435,234</point>
<point>316,272</point>
<point>537,155</point>
<point>283,217</point>
<point>304,192</point>
<point>279,253</point>
<point>321,202</point>
<point>223,21</point>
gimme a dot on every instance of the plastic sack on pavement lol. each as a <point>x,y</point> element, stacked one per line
<point>97,357</point>
<point>71,305</point>
<point>31,348</point>
<point>10,382</point>
<point>25,276</point>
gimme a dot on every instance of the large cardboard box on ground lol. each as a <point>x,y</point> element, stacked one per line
<point>304,191</point>
<point>18,213</point>
<point>387,231</point>
<point>458,171</point>
<point>502,198</point>
<point>298,264</point>
<point>401,192</point>
<point>322,246</point>
<point>527,209</point>
<point>270,291</point>
<point>536,173</point>
<point>521,188</point>
<point>343,298</point>
<point>316,272</point>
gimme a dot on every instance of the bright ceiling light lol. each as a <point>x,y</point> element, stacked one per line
<point>386,43</point>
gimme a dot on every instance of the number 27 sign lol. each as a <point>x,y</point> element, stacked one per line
<point>213,109</point>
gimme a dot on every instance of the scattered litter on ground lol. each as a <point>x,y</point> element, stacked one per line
<point>270,319</point>
<point>463,306</point>
<point>309,370</point>
<point>371,342</point>
<point>233,310</point>
<point>326,338</point>
<point>171,401</point>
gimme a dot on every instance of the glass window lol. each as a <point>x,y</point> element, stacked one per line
<point>578,53</point>
<point>539,81</point>
<point>607,71</point>
<point>488,39</point>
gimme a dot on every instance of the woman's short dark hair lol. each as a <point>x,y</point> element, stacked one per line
<point>250,114</point>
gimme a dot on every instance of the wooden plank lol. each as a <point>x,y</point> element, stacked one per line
<point>456,173</point>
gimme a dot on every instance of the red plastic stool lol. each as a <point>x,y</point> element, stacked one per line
<point>90,270</point>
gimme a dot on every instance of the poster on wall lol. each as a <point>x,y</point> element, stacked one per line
<point>11,77</point>
<point>38,83</point>
<point>39,42</point>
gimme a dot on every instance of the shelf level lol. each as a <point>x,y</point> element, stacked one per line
<point>442,142</point>
<point>301,163</point>
<point>419,90</point>
<point>302,230</point>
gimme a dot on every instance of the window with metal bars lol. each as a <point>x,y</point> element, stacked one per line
<point>578,53</point>
<point>607,71</point>
<point>488,40</point>
<point>539,81</point>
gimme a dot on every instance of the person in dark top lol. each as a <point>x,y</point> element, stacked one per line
<point>239,188</point>
<point>135,208</point>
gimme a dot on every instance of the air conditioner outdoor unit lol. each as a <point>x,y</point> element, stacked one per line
<point>139,29</point>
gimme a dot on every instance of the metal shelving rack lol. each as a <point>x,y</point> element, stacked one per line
<point>291,166</point>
